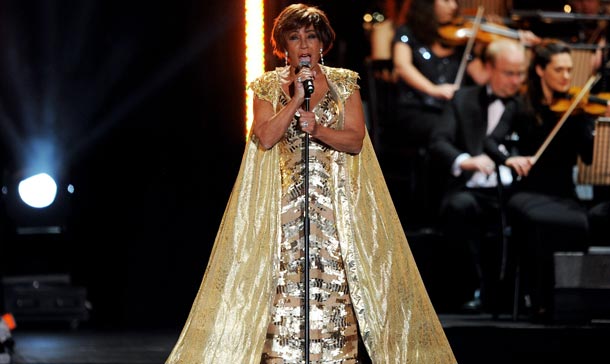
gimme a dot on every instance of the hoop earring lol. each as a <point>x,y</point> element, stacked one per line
<point>321,56</point>
<point>286,59</point>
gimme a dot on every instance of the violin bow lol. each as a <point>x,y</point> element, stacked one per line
<point>592,80</point>
<point>469,45</point>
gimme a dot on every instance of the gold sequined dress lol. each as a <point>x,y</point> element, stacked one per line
<point>363,279</point>
<point>333,331</point>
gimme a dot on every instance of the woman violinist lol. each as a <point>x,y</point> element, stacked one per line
<point>544,210</point>
<point>427,63</point>
<point>426,66</point>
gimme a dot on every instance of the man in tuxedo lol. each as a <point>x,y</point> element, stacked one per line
<point>469,145</point>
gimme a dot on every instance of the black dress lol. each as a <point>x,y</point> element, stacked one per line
<point>416,112</point>
<point>405,134</point>
<point>545,212</point>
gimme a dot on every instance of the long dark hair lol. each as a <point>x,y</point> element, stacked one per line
<point>296,16</point>
<point>541,57</point>
<point>419,15</point>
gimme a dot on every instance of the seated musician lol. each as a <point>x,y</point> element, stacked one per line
<point>430,67</point>
<point>468,147</point>
<point>544,210</point>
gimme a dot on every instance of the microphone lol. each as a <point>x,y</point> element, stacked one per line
<point>308,83</point>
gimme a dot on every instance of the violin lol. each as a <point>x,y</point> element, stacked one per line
<point>590,104</point>
<point>459,33</point>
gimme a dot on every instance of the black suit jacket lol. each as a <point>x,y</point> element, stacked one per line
<point>463,130</point>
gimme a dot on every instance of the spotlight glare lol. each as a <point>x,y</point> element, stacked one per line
<point>38,191</point>
<point>255,50</point>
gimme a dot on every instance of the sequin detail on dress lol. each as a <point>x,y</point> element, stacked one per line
<point>333,328</point>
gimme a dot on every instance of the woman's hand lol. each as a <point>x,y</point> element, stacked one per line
<point>308,121</point>
<point>528,38</point>
<point>350,138</point>
<point>303,74</point>
<point>521,165</point>
<point>406,70</point>
<point>444,91</point>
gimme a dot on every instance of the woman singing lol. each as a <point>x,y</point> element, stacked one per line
<point>364,285</point>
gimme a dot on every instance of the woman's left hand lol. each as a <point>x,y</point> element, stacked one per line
<point>307,121</point>
<point>528,38</point>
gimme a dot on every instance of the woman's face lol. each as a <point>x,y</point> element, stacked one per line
<point>557,75</point>
<point>445,10</point>
<point>303,45</point>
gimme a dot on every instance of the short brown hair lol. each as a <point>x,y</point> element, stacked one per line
<point>293,18</point>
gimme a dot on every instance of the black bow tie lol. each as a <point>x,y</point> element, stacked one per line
<point>493,97</point>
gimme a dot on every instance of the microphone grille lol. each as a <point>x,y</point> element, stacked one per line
<point>304,64</point>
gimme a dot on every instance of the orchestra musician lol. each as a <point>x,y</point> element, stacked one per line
<point>469,145</point>
<point>415,120</point>
<point>427,59</point>
<point>544,210</point>
<point>427,67</point>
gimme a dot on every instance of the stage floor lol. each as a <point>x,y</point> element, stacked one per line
<point>474,338</point>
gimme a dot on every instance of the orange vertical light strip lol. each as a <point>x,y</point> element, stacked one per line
<point>255,50</point>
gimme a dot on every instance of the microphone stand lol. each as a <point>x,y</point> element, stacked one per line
<point>306,229</point>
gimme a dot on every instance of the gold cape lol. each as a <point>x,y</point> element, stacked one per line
<point>229,317</point>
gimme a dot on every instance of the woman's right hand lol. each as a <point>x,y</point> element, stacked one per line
<point>520,164</point>
<point>305,73</point>
<point>444,91</point>
<point>405,70</point>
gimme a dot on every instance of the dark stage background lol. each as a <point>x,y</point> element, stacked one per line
<point>145,103</point>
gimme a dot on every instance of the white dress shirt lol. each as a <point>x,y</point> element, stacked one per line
<point>480,179</point>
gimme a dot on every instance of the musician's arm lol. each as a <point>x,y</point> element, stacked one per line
<point>597,57</point>
<point>405,69</point>
<point>528,38</point>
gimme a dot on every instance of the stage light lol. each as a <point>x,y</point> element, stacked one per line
<point>255,51</point>
<point>37,204</point>
<point>38,191</point>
